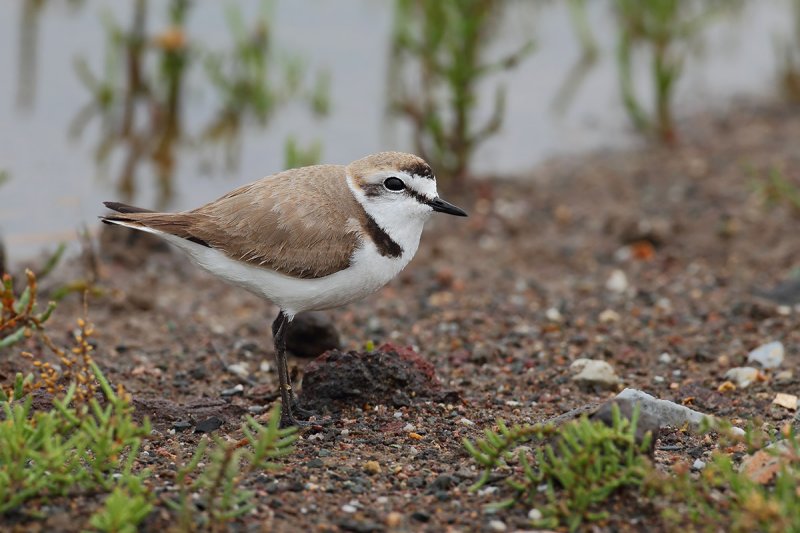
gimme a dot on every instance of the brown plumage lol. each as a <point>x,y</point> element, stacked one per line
<point>302,222</point>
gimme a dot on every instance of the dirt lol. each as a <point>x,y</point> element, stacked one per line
<point>699,248</point>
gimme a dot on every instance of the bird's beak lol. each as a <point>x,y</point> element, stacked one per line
<point>446,207</point>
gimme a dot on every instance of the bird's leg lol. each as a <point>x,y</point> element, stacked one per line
<point>279,336</point>
<point>296,409</point>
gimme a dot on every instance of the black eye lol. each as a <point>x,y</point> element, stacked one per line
<point>394,184</point>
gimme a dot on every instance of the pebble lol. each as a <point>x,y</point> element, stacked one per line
<point>394,519</point>
<point>594,372</point>
<point>608,316</point>
<point>554,315</point>
<point>535,515</point>
<point>698,464</point>
<point>497,525</point>
<point>788,401</point>
<point>466,421</point>
<point>784,376</point>
<point>665,358</point>
<point>617,282</point>
<point>372,467</point>
<point>742,376</point>
<point>665,412</point>
<point>347,508</point>
<point>233,391</point>
<point>239,369</point>
<point>658,379</point>
<point>208,425</point>
<point>409,427</point>
<point>768,355</point>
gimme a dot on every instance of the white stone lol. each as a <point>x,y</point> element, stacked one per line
<point>617,282</point>
<point>347,508</point>
<point>535,515</point>
<point>497,525</point>
<point>768,355</point>
<point>554,315</point>
<point>665,358</point>
<point>594,372</point>
<point>240,369</point>
<point>608,316</point>
<point>698,464</point>
<point>742,376</point>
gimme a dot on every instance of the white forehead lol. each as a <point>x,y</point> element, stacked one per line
<point>419,184</point>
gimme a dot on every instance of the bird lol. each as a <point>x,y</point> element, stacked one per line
<point>306,239</point>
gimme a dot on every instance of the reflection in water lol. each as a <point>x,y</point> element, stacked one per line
<point>139,97</point>
<point>445,44</point>
<point>28,49</point>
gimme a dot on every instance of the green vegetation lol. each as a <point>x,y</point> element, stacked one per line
<point>775,189</point>
<point>86,442</point>
<point>667,30</point>
<point>582,464</point>
<point>445,44</point>
<point>226,464</point>
<point>153,70</point>
<point>577,468</point>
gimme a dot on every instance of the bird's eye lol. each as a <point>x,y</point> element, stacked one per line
<point>394,184</point>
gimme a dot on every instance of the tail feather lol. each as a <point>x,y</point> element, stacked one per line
<point>125,208</point>
<point>146,220</point>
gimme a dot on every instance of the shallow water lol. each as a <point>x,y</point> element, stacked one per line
<point>55,184</point>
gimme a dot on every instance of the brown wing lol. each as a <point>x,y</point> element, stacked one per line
<point>302,222</point>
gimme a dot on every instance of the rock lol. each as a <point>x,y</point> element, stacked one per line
<point>743,376</point>
<point>181,425</point>
<point>667,413</point>
<point>372,467</point>
<point>784,376</point>
<point>535,515</point>
<point>312,334</point>
<point>646,423</point>
<point>394,520</point>
<point>768,355</point>
<point>788,401</point>
<point>497,525</point>
<point>617,282</point>
<point>390,375</point>
<point>241,369</point>
<point>233,391</point>
<point>698,464</point>
<point>594,373</point>
<point>764,465</point>
<point>786,292</point>
<point>608,316</point>
<point>665,358</point>
<point>208,425</point>
<point>554,315</point>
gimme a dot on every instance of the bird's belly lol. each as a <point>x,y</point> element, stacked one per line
<point>368,272</point>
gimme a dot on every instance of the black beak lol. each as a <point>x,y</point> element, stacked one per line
<point>446,207</point>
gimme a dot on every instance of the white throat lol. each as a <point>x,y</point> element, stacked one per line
<point>402,225</point>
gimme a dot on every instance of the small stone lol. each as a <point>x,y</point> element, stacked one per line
<point>535,515</point>
<point>742,376</point>
<point>347,508</point>
<point>554,315</point>
<point>768,355</point>
<point>181,425</point>
<point>665,412</point>
<point>764,465</point>
<point>788,401</point>
<point>372,467</point>
<point>497,525</point>
<point>784,376</point>
<point>233,391</point>
<point>466,421</point>
<point>420,516</point>
<point>658,379</point>
<point>208,425</point>
<point>665,358</point>
<point>394,519</point>
<point>608,316</point>
<point>256,409</point>
<point>647,423</point>
<point>617,282</point>
<point>698,464</point>
<point>594,373</point>
<point>241,370</point>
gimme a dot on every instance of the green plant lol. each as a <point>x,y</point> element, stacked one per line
<point>296,156</point>
<point>226,465</point>
<point>724,498</point>
<point>445,41</point>
<point>667,30</point>
<point>67,449</point>
<point>124,509</point>
<point>581,466</point>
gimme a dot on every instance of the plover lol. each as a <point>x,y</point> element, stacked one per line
<point>306,239</point>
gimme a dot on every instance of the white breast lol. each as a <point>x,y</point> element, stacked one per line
<point>368,272</point>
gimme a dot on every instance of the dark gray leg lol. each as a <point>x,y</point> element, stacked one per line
<point>279,328</point>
